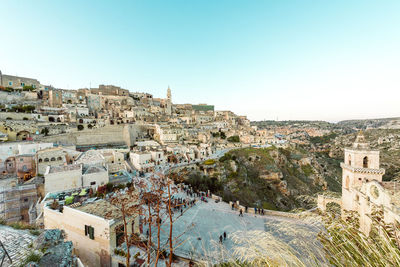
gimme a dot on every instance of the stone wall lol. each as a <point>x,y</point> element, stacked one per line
<point>105,135</point>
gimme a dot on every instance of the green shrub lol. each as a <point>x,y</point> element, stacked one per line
<point>34,232</point>
<point>234,139</point>
<point>307,169</point>
<point>28,88</point>
<point>209,162</point>
<point>32,257</point>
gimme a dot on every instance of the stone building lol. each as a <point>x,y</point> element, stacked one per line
<point>17,82</point>
<point>363,191</point>
<point>16,200</point>
<point>59,178</point>
<point>109,90</point>
<point>93,226</point>
<point>50,157</point>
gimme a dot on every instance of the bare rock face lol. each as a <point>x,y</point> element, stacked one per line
<point>233,165</point>
<point>57,252</point>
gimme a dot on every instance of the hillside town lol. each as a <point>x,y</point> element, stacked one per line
<point>80,168</point>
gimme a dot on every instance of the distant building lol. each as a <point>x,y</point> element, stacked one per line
<point>109,90</point>
<point>16,201</point>
<point>17,82</point>
<point>58,178</point>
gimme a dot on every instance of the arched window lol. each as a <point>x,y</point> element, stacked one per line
<point>349,159</point>
<point>46,160</point>
<point>347,182</point>
<point>40,160</point>
<point>53,159</point>
<point>59,158</point>
<point>365,162</point>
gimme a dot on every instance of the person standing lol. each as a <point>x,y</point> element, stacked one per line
<point>224,235</point>
<point>220,239</point>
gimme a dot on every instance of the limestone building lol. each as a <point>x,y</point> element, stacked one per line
<point>364,194</point>
<point>94,226</point>
<point>17,82</point>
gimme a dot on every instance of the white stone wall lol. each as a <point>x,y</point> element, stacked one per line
<point>61,181</point>
<point>73,222</point>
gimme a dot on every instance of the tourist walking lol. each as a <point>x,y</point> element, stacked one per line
<point>220,239</point>
<point>224,235</point>
<point>240,213</point>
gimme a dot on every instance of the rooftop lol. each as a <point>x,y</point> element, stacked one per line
<point>64,168</point>
<point>100,208</point>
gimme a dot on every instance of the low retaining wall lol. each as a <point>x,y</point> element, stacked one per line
<point>250,210</point>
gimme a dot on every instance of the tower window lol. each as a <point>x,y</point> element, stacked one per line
<point>365,162</point>
<point>347,183</point>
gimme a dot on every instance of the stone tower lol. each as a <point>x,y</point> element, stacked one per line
<point>169,101</point>
<point>361,165</point>
<point>169,96</point>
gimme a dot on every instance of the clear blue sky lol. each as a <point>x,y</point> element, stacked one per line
<point>328,60</point>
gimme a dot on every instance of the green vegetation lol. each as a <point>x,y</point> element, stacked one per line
<point>234,139</point>
<point>345,245</point>
<point>307,169</point>
<point>119,252</point>
<point>45,131</point>
<point>201,182</point>
<point>32,257</point>
<point>209,162</point>
<point>23,108</point>
<point>323,139</point>
<point>21,226</point>
<point>222,135</point>
<point>28,88</point>
<point>34,232</point>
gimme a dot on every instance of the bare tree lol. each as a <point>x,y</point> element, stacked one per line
<point>128,203</point>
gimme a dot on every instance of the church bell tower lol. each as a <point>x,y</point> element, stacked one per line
<point>361,165</point>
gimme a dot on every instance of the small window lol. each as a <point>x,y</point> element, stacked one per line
<point>22,84</point>
<point>89,231</point>
<point>365,162</point>
<point>53,159</point>
<point>93,183</point>
<point>10,83</point>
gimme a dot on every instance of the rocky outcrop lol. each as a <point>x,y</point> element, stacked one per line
<point>53,249</point>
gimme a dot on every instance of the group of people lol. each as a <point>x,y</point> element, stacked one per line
<point>222,237</point>
<point>189,192</point>
<point>256,210</point>
<point>259,211</point>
